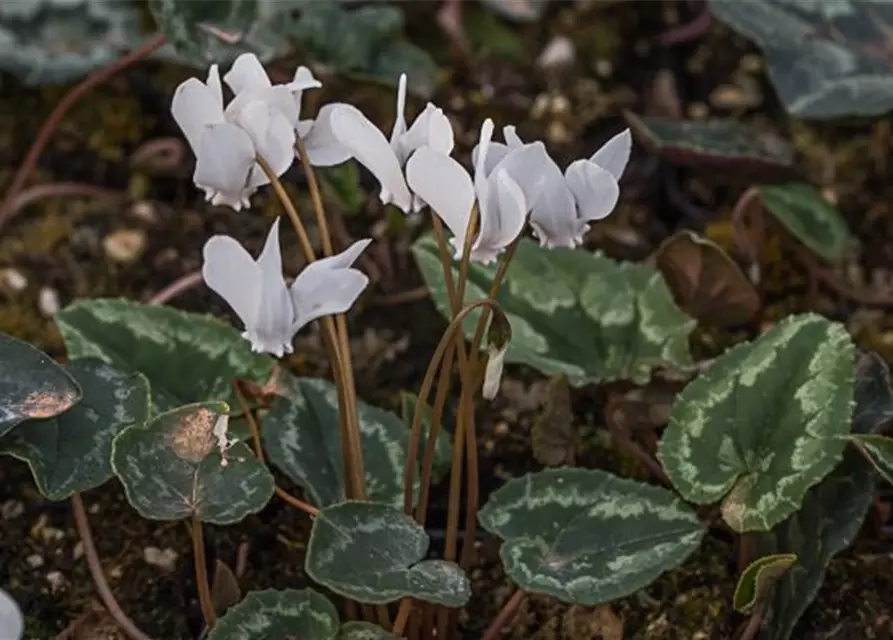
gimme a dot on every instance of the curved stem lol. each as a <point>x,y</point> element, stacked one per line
<point>15,203</point>
<point>289,499</point>
<point>52,122</point>
<point>509,609</point>
<point>177,288</point>
<point>201,573</point>
<point>102,586</point>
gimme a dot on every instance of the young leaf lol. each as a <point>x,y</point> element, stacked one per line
<point>71,453</point>
<point>225,590</point>
<point>272,614</point>
<point>705,282</point>
<point>576,313</point>
<point>172,468</point>
<point>364,631</point>
<point>879,450</point>
<point>758,579</point>
<point>823,56</point>
<point>764,423</point>
<point>374,553</point>
<point>552,436</point>
<point>302,439</point>
<point>809,217</point>
<point>587,537</point>
<point>187,357</point>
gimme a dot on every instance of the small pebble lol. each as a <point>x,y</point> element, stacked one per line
<point>125,245</point>
<point>13,280</point>
<point>604,68</point>
<point>56,580</point>
<point>78,551</point>
<point>48,302</point>
<point>540,106</point>
<point>165,559</point>
<point>11,509</point>
<point>34,561</point>
<point>558,53</point>
<point>145,211</point>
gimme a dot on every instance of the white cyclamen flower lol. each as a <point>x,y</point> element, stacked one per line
<point>341,131</point>
<point>446,186</point>
<point>565,204</point>
<point>271,311</point>
<point>227,141</point>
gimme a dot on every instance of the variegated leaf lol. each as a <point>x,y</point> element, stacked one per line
<point>173,468</point>
<point>71,453</point>
<point>764,423</point>
<point>187,357</point>
<point>32,385</point>
<point>757,580</point>
<point>375,554</point>
<point>587,537</point>
<point>879,450</point>
<point>576,313</point>
<point>272,615</point>
<point>364,631</point>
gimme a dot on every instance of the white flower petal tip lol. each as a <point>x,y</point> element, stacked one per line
<point>445,186</point>
<point>247,74</point>
<point>493,372</point>
<point>614,155</point>
<point>304,79</point>
<point>595,190</point>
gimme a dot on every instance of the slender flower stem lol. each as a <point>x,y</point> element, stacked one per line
<point>446,262</point>
<point>316,198</point>
<point>178,287</point>
<point>201,573</point>
<point>102,586</point>
<point>509,609</point>
<point>297,503</point>
<point>26,168</point>
<point>402,617</point>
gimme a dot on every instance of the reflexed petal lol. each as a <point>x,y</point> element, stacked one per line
<point>400,118</point>
<point>530,166</point>
<point>595,190</point>
<point>302,81</point>
<point>270,258</point>
<point>370,148</point>
<point>430,129</point>
<point>194,106</point>
<point>223,161</point>
<point>511,137</point>
<point>614,154</point>
<point>277,312</point>
<point>273,137</point>
<point>213,82</point>
<point>323,148</point>
<point>247,74</point>
<point>495,154</point>
<point>230,272</point>
<point>554,215</point>
<point>445,185</point>
<point>333,295</point>
<point>480,173</point>
<point>343,260</point>
<point>508,212</point>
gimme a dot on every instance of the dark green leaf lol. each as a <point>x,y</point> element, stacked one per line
<point>279,615</point>
<point>71,453</point>
<point>874,397</point>
<point>173,468</point>
<point>585,536</point>
<point>32,385</point>
<point>375,554</point>
<point>764,423</point>
<point>758,578</point>
<point>878,450</point>
<point>364,631</point>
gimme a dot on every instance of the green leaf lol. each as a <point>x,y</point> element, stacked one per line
<point>71,453</point>
<point>874,396</point>
<point>172,468</point>
<point>364,631</point>
<point>587,537</point>
<point>344,180</point>
<point>576,313</point>
<point>443,447</point>
<point>374,553</point>
<point>279,615</point>
<point>60,41</point>
<point>764,423</point>
<point>825,58</point>
<point>302,438</point>
<point>717,144</point>
<point>758,579</point>
<point>809,217</point>
<point>32,385</point>
<point>879,451</point>
<point>187,357</point>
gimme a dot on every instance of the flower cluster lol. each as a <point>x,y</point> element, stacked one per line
<point>240,146</point>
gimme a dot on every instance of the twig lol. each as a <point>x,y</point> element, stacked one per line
<point>505,615</point>
<point>53,190</point>
<point>176,288</point>
<point>694,28</point>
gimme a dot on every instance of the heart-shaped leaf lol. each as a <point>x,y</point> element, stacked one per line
<point>585,536</point>
<point>758,578</point>
<point>826,59</point>
<point>723,144</point>
<point>71,453</point>
<point>809,217</point>
<point>576,313</point>
<point>375,554</point>
<point>173,468</point>
<point>32,386</point>
<point>764,423</point>
<point>302,439</point>
<point>187,357</point>
<point>705,282</point>
<point>279,615</point>
<point>879,451</point>
<point>552,435</point>
<point>364,631</point>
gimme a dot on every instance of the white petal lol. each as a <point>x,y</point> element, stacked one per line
<point>554,214</point>
<point>247,74</point>
<point>323,289</point>
<point>273,137</point>
<point>224,159</point>
<point>614,154</point>
<point>302,81</point>
<point>595,190</point>
<point>370,148</point>
<point>346,258</point>
<point>445,185</point>
<point>511,137</point>
<point>507,213</point>
<point>493,372</point>
<point>323,148</point>
<point>495,154</point>
<point>430,129</point>
<point>273,325</point>
<point>400,117</point>
<point>480,173</point>
<point>529,165</point>
<point>195,105</point>
<point>213,82</point>
<point>230,272</point>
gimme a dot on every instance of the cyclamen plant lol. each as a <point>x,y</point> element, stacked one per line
<point>189,413</point>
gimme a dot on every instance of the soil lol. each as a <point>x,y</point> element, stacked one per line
<point>63,245</point>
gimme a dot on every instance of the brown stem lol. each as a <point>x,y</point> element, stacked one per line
<point>632,447</point>
<point>831,280</point>
<point>509,609</point>
<point>26,168</point>
<point>755,622</point>
<point>177,288</point>
<point>306,507</point>
<point>201,573</point>
<point>402,617</point>
<point>82,524</point>
<point>14,204</point>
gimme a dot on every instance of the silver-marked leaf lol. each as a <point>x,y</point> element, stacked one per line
<point>279,615</point>
<point>764,423</point>
<point>71,453</point>
<point>187,357</point>
<point>32,385</point>
<point>364,631</point>
<point>873,394</point>
<point>756,581</point>
<point>809,217</point>
<point>302,439</point>
<point>375,554</point>
<point>576,313</point>
<point>587,537</point>
<point>172,468</point>
<point>826,59</point>
<point>878,450</point>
